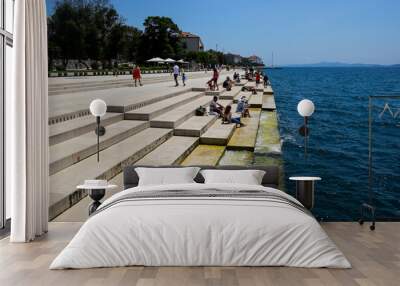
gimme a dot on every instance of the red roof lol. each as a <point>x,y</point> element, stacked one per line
<point>189,35</point>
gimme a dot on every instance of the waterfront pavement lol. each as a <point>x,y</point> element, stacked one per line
<point>150,125</point>
<point>53,81</point>
<point>127,96</point>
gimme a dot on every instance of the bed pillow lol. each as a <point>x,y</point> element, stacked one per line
<point>166,176</point>
<point>247,177</point>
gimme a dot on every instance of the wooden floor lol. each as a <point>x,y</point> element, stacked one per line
<point>375,257</point>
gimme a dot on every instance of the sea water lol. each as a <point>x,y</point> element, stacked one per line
<point>338,142</point>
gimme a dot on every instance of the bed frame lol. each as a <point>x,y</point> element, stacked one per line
<point>270,179</point>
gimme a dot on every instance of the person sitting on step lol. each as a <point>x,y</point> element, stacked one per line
<point>227,84</point>
<point>227,117</point>
<point>215,107</point>
<point>210,84</point>
<point>243,107</point>
<point>266,80</point>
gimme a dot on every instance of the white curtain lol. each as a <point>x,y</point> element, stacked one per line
<point>27,124</point>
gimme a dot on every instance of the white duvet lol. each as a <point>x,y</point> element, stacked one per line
<point>200,231</point>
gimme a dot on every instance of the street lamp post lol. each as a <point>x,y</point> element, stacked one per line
<point>305,108</point>
<point>98,108</point>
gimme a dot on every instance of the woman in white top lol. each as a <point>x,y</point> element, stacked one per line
<point>176,74</point>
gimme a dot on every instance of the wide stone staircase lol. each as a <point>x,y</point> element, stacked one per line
<point>88,84</point>
<point>164,130</point>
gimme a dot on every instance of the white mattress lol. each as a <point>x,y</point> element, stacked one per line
<point>194,231</point>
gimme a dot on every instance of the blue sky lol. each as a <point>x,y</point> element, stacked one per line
<point>306,31</point>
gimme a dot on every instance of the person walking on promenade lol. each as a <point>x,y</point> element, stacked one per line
<point>215,78</point>
<point>258,78</point>
<point>176,73</point>
<point>137,75</point>
<point>183,78</point>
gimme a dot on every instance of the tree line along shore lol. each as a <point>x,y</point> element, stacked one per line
<point>92,35</point>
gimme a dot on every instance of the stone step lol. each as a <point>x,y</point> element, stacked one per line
<point>178,115</point>
<point>225,102</point>
<point>171,152</point>
<point>119,100</point>
<point>237,158</point>
<point>81,86</point>
<point>268,102</point>
<point>129,103</point>
<point>195,126</point>
<point>268,137</point>
<point>215,92</point>
<point>202,89</point>
<point>63,192</point>
<point>89,87</point>
<point>247,94</point>
<point>218,133</point>
<point>65,130</point>
<point>80,83</point>
<point>244,138</point>
<point>69,152</point>
<point>207,90</point>
<point>208,155</point>
<point>268,90</point>
<point>116,82</point>
<point>231,94</point>
<point>260,86</point>
<point>242,82</point>
<point>256,100</point>
<point>151,111</point>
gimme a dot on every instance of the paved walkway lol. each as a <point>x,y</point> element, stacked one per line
<point>85,79</point>
<point>72,102</point>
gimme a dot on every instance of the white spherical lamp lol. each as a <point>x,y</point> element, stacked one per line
<point>306,108</point>
<point>98,107</point>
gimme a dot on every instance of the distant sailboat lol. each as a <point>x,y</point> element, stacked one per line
<point>272,64</point>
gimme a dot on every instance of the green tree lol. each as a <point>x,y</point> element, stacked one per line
<point>130,43</point>
<point>66,36</point>
<point>161,38</point>
<point>90,29</point>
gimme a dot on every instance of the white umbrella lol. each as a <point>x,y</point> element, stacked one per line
<point>169,60</point>
<point>156,60</point>
<point>182,62</point>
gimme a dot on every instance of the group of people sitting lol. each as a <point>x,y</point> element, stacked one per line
<point>225,113</point>
<point>227,84</point>
<point>256,75</point>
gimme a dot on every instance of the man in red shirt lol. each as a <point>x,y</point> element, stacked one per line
<point>258,78</point>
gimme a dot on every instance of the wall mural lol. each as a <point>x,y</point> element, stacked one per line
<point>158,84</point>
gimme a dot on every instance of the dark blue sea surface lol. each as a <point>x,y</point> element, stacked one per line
<point>338,145</point>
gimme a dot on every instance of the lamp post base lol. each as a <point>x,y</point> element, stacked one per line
<point>305,193</point>
<point>305,188</point>
<point>96,195</point>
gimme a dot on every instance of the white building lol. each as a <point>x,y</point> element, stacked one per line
<point>192,42</point>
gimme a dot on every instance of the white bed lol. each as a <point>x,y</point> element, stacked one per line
<point>267,229</point>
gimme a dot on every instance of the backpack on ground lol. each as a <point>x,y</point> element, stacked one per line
<point>200,111</point>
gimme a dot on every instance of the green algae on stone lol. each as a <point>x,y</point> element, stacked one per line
<point>204,155</point>
<point>240,158</point>
<point>268,137</point>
